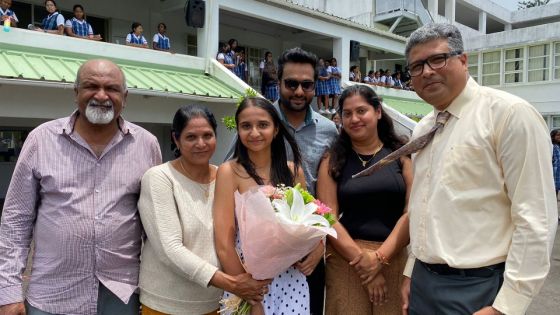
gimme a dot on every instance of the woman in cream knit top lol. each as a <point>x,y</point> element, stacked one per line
<point>179,270</point>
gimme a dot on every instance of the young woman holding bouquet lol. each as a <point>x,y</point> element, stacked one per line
<point>374,222</point>
<point>179,270</point>
<point>260,158</point>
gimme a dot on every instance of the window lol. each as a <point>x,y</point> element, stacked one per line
<point>11,142</point>
<point>254,57</point>
<point>491,68</point>
<point>538,63</point>
<point>473,66</point>
<point>192,45</point>
<point>513,65</point>
<point>557,60</point>
<point>555,122</point>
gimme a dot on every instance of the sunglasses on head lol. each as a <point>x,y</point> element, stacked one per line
<point>306,85</point>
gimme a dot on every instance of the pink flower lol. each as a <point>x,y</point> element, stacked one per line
<point>322,208</point>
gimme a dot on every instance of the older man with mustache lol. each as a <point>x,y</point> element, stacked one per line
<point>74,191</point>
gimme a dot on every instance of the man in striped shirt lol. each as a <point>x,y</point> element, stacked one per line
<point>74,191</point>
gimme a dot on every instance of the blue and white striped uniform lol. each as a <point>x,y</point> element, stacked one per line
<point>9,13</point>
<point>321,87</point>
<point>271,92</point>
<point>131,38</point>
<point>162,41</point>
<point>333,84</point>
<point>52,21</point>
<point>80,28</point>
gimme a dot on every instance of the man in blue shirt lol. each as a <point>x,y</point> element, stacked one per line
<point>297,74</point>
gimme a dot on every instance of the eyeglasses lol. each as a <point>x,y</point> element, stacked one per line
<point>435,62</point>
<point>306,85</point>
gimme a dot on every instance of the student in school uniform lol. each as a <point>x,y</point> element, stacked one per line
<point>54,22</point>
<point>7,13</point>
<point>160,41</point>
<point>135,37</point>
<point>78,26</point>
<point>333,84</point>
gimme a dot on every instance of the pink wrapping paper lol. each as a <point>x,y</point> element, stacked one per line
<point>269,246</point>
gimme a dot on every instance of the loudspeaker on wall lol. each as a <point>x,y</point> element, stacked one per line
<point>195,12</point>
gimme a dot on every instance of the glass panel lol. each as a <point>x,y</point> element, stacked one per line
<point>491,79</point>
<point>538,63</point>
<point>539,50</point>
<point>473,70</point>
<point>490,68</point>
<point>557,61</point>
<point>491,57</point>
<point>514,53</point>
<point>557,73</point>
<point>514,77</point>
<point>514,65</point>
<point>557,48</point>
<point>473,59</point>
<point>11,142</point>
<point>556,121</point>
<point>538,75</point>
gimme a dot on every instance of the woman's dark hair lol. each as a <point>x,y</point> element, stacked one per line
<point>134,26</point>
<point>164,26</point>
<point>280,172</point>
<point>352,68</point>
<point>52,2</point>
<point>553,134</point>
<point>182,118</point>
<point>343,144</point>
<point>266,54</point>
<point>231,41</point>
<point>297,55</point>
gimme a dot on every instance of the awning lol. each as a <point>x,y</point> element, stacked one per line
<point>410,108</point>
<point>42,65</point>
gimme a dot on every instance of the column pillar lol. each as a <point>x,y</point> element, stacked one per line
<point>341,51</point>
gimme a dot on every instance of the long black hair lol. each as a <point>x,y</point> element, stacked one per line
<point>280,173</point>
<point>134,26</point>
<point>553,134</point>
<point>182,118</point>
<point>385,129</point>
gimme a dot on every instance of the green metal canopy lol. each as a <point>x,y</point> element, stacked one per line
<point>410,108</point>
<point>29,63</point>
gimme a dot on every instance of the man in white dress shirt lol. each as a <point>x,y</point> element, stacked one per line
<point>482,207</point>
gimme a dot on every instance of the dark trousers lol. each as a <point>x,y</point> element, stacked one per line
<point>107,304</point>
<point>316,282</point>
<point>440,294</point>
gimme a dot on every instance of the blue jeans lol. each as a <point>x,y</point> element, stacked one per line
<point>107,304</point>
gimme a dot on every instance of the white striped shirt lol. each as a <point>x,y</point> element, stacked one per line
<point>81,211</point>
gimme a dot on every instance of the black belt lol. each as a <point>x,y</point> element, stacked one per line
<point>484,272</point>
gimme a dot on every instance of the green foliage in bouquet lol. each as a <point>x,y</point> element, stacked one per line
<point>229,121</point>
<point>307,197</point>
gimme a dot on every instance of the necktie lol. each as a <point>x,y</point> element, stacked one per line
<point>409,148</point>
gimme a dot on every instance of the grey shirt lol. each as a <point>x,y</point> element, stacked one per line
<point>313,137</point>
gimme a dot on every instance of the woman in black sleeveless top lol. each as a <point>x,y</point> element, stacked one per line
<point>373,227</point>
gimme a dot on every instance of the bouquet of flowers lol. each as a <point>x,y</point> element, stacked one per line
<point>277,227</point>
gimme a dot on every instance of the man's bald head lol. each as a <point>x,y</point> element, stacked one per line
<point>99,63</point>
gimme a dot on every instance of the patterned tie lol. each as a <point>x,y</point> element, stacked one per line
<point>409,148</point>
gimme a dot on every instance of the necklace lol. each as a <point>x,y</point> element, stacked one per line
<point>204,187</point>
<point>365,162</point>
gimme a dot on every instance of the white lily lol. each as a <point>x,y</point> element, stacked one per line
<point>299,212</point>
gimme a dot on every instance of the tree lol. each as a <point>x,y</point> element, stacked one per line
<point>531,4</point>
